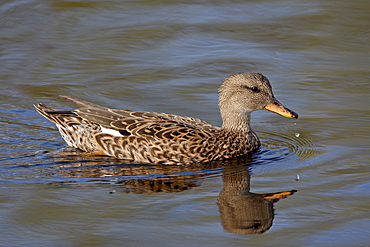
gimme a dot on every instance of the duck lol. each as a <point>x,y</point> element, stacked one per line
<point>162,138</point>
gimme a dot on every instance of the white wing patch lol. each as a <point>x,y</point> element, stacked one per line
<point>110,131</point>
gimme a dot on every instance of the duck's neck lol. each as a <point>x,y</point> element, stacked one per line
<point>235,121</point>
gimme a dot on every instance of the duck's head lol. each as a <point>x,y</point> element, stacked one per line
<point>242,93</point>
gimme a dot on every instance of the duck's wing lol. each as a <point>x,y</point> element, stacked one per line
<point>160,116</point>
<point>148,137</point>
<point>143,126</point>
<point>142,123</point>
<point>162,130</point>
<point>155,141</point>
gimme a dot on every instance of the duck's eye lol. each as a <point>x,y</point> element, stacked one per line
<point>254,89</point>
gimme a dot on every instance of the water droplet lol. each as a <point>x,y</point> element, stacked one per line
<point>296,134</point>
<point>297,177</point>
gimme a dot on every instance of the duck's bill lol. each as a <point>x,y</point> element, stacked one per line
<point>277,107</point>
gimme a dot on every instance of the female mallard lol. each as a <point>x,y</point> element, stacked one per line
<point>160,138</point>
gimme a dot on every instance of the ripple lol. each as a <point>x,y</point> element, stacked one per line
<point>278,146</point>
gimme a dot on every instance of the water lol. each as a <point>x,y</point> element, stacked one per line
<point>171,57</point>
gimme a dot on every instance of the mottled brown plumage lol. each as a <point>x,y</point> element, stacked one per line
<point>160,138</point>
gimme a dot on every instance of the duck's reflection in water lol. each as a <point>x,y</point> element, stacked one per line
<point>242,211</point>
